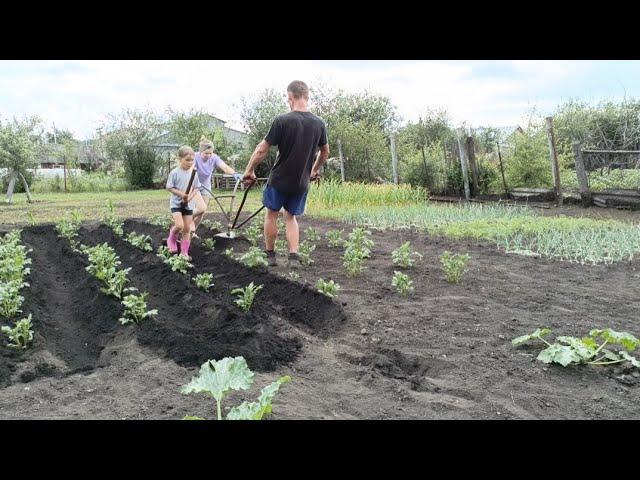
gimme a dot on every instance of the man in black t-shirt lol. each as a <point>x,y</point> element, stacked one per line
<point>299,135</point>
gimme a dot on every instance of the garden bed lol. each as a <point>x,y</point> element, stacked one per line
<point>443,353</point>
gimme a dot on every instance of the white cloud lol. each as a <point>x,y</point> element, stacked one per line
<point>77,94</point>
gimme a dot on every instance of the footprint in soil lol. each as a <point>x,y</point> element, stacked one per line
<point>395,364</point>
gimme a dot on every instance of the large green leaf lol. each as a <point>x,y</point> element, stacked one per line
<point>562,354</point>
<point>609,355</point>
<point>625,339</point>
<point>584,351</point>
<point>257,410</point>
<point>217,378</point>
<point>589,342</point>
<point>633,360</point>
<point>537,335</point>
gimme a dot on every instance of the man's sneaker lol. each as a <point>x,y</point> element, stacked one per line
<point>294,261</point>
<point>271,258</point>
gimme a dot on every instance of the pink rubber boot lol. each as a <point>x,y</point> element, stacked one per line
<point>184,248</point>
<point>171,241</point>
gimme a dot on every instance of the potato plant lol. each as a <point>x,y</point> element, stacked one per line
<point>111,220</point>
<point>402,283</point>
<point>246,296</point>
<point>254,257</point>
<point>143,242</point>
<point>330,288</point>
<point>404,257</point>
<point>179,263</point>
<point>204,281</point>
<point>453,265</point>
<point>334,237</point>
<point>135,309</point>
<point>21,335</point>
<point>209,244</point>
<point>160,221</point>
<point>253,234</point>
<point>304,252</point>
<point>312,234</point>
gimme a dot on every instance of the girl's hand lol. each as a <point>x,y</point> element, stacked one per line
<point>185,197</point>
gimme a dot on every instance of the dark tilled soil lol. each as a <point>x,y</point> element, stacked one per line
<point>72,319</point>
<point>443,353</point>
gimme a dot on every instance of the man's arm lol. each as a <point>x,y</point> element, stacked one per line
<point>320,161</point>
<point>257,157</point>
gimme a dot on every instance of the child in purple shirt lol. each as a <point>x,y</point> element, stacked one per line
<point>206,162</point>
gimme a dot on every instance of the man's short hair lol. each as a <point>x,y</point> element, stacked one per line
<point>298,89</point>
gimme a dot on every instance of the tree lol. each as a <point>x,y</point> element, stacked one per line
<point>127,140</point>
<point>363,123</point>
<point>257,116</point>
<point>20,146</point>
<point>188,128</point>
<point>58,136</point>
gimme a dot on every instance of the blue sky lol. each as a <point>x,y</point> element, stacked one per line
<point>77,95</point>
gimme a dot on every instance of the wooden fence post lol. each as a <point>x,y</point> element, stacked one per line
<point>504,182</point>
<point>581,173</point>
<point>394,159</point>
<point>341,160</point>
<point>473,165</point>
<point>555,168</point>
<point>463,162</point>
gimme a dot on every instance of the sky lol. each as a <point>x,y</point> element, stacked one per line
<point>76,95</point>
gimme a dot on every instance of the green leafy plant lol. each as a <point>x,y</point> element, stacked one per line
<point>254,257</point>
<point>453,265</point>
<point>312,234</point>
<point>335,238</point>
<point>143,242</point>
<point>353,261</point>
<point>359,240</point>
<point>213,225</point>
<point>567,350</point>
<point>21,335</point>
<point>304,252</point>
<point>164,253</point>
<point>294,275</point>
<point>10,298</point>
<point>13,258</point>
<point>32,219</point>
<point>402,283</point>
<point>218,378</point>
<point>160,220</point>
<point>209,243</point>
<point>135,309</point>
<point>179,263</point>
<point>246,296</point>
<point>111,220</point>
<point>253,234</point>
<point>281,247</point>
<point>402,256</point>
<point>116,281</point>
<point>330,288</point>
<point>204,281</point>
<point>68,229</point>
<point>229,252</point>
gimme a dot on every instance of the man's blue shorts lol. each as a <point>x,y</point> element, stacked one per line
<point>274,200</point>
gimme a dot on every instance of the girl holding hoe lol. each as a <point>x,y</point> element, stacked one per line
<point>182,201</point>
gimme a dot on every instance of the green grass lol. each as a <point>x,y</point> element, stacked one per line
<point>518,230</point>
<point>50,207</point>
